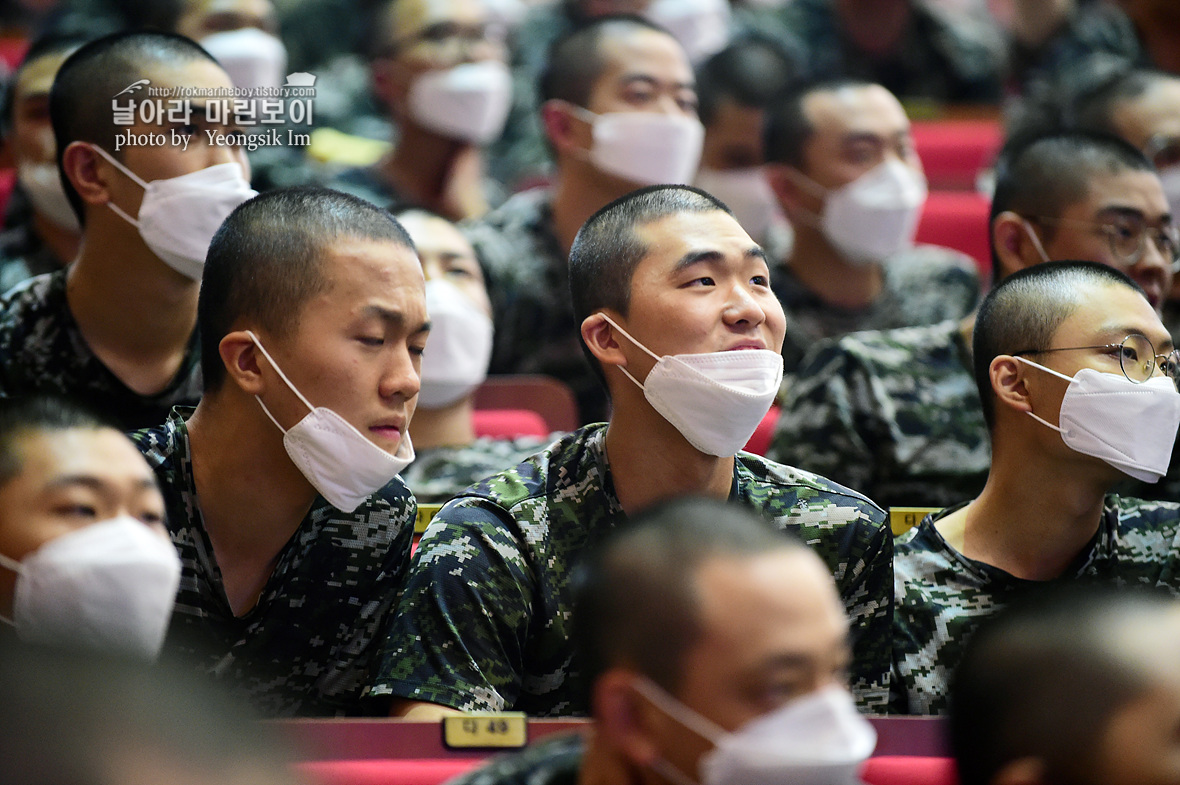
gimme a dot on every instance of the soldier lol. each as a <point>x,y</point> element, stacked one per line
<point>895,413</point>
<point>1077,377</point>
<point>438,69</point>
<point>447,455</point>
<point>116,329</point>
<point>41,232</point>
<point>842,164</point>
<point>677,312</point>
<point>280,486</point>
<point>704,632</point>
<point>619,112</point>
<point>1078,688</point>
<point>85,562</point>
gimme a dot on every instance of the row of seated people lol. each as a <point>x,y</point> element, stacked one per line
<point>716,647</point>
<point>296,269</point>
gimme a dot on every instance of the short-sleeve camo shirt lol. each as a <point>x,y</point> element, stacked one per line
<point>892,413</point>
<point>924,285</point>
<point>941,596</point>
<point>485,619</point>
<point>438,473</point>
<point>528,281</point>
<point>309,646</point>
<point>43,351</point>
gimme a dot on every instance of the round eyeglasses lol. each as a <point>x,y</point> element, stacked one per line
<point>1137,358</point>
<point>1128,236</point>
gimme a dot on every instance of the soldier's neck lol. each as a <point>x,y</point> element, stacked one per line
<point>447,426</point>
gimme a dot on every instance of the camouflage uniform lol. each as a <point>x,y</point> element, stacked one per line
<point>945,56</point>
<point>892,413</point>
<point>552,761</point>
<point>367,183</point>
<point>438,473</point>
<point>22,256</point>
<point>484,621</point>
<point>528,280</point>
<point>941,596</point>
<point>923,285</point>
<point>896,415</point>
<point>309,646</point>
<point>43,351</point>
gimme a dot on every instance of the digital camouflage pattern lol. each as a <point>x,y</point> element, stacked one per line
<point>924,285</point>
<point>892,413</point>
<point>896,415</point>
<point>941,596</point>
<point>553,761</point>
<point>43,351</point>
<point>438,473</point>
<point>309,646</point>
<point>484,621</point>
<point>23,255</point>
<point>946,55</point>
<point>528,282</point>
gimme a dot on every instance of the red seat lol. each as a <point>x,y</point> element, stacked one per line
<point>958,219</point>
<point>7,183</point>
<point>550,398</point>
<point>760,441</point>
<point>953,152</point>
<point>401,771</point>
<point>909,770</point>
<point>508,423</point>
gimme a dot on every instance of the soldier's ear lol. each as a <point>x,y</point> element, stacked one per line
<point>600,339</point>
<point>1008,377</point>
<point>240,356</point>
<point>622,716</point>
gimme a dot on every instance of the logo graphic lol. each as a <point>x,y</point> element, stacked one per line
<point>300,79</point>
<point>134,87</point>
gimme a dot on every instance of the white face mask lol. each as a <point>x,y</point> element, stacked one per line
<point>469,102</point>
<point>646,148</point>
<point>817,739</point>
<point>179,215</point>
<point>701,26</point>
<point>876,215</point>
<point>456,358</point>
<point>109,586</point>
<point>715,399</point>
<point>748,194</point>
<point>251,57</point>
<point>1170,180</point>
<point>1130,426</point>
<point>338,460</point>
<point>42,184</point>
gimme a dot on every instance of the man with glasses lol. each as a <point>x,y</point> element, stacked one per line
<point>895,413</point>
<point>438,68</point>
<point>1076,375</point>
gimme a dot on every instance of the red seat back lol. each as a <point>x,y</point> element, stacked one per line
<point>508,423</point>
<point>958,220</point>
<point>401,771</point>
<point>953,152</point>
<point>909,770</point>
<point>760,441</point>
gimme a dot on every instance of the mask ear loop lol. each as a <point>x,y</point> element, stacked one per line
<point>119,211</point>
<point>9,563</point>
<point>703,727</point>
<point>627,373</point>
<point>1036,241</point>
<point>1055,373</point>
<point>282,376</point>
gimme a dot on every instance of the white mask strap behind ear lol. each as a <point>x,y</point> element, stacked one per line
<point>1036,241</point>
